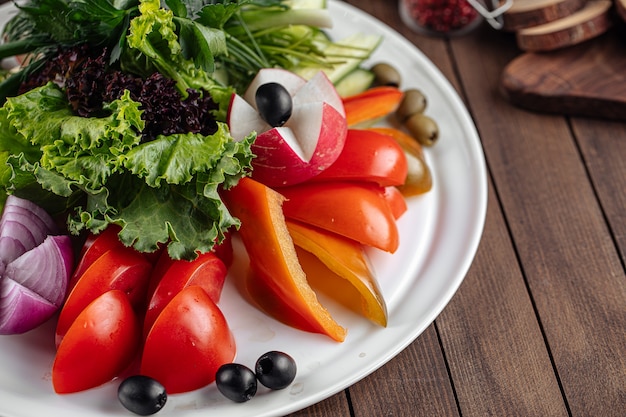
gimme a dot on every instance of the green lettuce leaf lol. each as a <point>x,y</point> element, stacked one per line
<point>164,191</point>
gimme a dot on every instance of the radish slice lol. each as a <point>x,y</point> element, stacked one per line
<point>290,80</point>
<point>308,143</point>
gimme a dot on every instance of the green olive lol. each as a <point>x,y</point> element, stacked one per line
<point>414,101</point>
<point>423,128</point>
<point>385,74</point>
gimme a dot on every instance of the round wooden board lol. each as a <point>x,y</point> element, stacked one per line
<point>528,13</point>
<point>590,21</point>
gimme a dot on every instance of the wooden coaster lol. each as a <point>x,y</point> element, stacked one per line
<point>528,13</point>
<point>590,21</point>
<point>584,80</point>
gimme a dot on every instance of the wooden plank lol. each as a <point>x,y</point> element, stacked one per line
<point>604,147</point>
<point>335,406</point>
<point>491,338</point>
<point>568,256</point>
<point>416,380</point>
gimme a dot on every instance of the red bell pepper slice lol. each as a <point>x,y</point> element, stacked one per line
<point>357,211</point>
<point>368,156</point>
<point>419,178</point>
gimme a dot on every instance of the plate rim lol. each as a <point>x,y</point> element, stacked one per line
<point>480,207</point>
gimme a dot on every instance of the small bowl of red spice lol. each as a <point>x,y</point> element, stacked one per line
<point>439,17</point>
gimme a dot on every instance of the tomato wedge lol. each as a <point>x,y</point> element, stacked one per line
<point>368,156</point>
<point>102,342</point>
<point>94,247</point>
<point>117,269</point>
<point>340,261</point>
<point>206,271</point>
<point>188,342</point>
<point>357,211</point>
<point>277,283</point>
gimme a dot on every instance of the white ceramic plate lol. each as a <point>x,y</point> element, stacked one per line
<point>439,237</point>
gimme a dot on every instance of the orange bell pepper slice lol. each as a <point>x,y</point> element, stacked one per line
<point>419,178</point>
<point>277,282</point>
<point>358,211</point>
<point>371,105</point>
<point>342,261</point>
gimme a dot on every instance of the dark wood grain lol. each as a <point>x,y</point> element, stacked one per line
<point>493,341</point>
<point>538,326</point>
<point>567,255</point>
<point>417,380</point>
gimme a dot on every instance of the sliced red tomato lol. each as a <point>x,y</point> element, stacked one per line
<point>188,342</point>
<point>117,269</point>
<point>94,247</point>
<point>207,271</point>
<point>102,342</point>
<point>224,250</point>
<point>357,211</point>
<point>368,156</point>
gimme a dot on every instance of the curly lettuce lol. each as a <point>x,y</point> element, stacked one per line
<point>164,191</point>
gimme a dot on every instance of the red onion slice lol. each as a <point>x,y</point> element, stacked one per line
<point>21,204</point>
<point>35,266</point>
<point>10,249</point>
<point>21,309</point>
<point>44,269</point>
<point>19,232</point>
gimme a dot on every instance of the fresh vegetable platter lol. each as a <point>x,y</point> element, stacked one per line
<point>439,235</point>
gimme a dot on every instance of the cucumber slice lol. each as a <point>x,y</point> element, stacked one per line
<point>342,57</point>
<point>357,81</point>
<point>306,4</point>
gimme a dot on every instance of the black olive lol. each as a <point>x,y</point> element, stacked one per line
<point>276,370</point>
<point>236,382</point>
<point>274,103</point>
<point>142,395</point>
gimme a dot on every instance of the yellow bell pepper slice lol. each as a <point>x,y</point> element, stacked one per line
<point>343,261</point>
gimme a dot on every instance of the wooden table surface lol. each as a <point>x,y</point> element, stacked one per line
<point>538,327</point>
